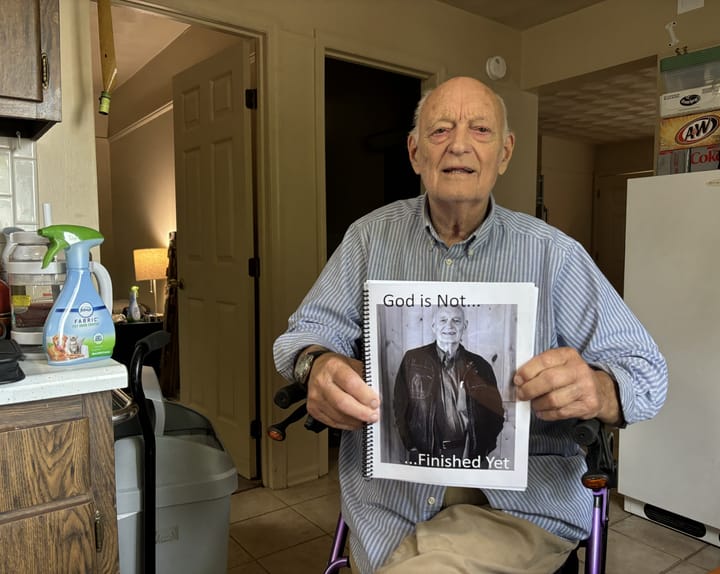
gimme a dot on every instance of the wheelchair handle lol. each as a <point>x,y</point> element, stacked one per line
<point>284,398</point>
<point>586,432</point>
<point>289,395</point>
<point>314,425</point>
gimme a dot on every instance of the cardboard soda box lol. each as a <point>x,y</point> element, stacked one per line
<point>692,101</point>
<point>694,130</point>
<point>701,158</point>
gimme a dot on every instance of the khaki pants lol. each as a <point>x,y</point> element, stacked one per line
<point>477,539</point>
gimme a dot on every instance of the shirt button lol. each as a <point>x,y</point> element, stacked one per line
<point>471,253</point>
<point>431,501</point>
<point>448,262</point>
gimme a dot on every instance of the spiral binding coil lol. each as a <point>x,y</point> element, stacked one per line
<point>368,438</point>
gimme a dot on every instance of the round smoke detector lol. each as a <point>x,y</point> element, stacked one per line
<point>496,67</point>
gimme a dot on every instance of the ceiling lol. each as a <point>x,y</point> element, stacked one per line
<point>521,14</point>
<point>615,106</point>
<point>610,107</point>
<point>139,36</point>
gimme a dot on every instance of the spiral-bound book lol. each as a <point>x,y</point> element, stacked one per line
<point>441,356</point>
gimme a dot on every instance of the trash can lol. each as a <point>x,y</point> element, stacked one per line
<point>194,481</point>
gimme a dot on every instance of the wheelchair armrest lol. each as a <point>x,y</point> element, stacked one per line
<point>597,442</point>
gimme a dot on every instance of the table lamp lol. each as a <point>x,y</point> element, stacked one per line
<point>151,265</point>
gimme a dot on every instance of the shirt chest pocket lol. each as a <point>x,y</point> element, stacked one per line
<point>422,379</point>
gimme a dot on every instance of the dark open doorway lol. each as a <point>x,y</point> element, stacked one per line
<point>368,114</point>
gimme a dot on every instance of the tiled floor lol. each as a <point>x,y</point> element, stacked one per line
<point>290,531</point>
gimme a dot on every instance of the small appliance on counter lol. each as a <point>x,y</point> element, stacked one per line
<point>33,288</point>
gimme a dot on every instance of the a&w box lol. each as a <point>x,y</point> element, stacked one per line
<point>689,143</point>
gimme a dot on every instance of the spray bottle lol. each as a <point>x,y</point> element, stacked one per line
<point>133,313</point>
<point>79,327</point>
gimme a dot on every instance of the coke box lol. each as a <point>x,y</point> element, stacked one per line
<point>701,158</point>
<point>704,158</point>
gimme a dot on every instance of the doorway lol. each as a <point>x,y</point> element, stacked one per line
<point>138,209</point>
<point>368,114</point>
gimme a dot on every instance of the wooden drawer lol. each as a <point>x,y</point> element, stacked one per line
<point>44,464</point>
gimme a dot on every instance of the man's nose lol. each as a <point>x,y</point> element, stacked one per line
<point>460,140</point>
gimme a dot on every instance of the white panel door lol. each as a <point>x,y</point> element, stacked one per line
<point>215,241</point>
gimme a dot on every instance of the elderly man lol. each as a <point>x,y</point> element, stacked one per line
<point>446,399</point>
<point>592,356</point>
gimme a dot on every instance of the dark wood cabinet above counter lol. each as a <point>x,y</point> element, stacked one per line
<point>30,95</point>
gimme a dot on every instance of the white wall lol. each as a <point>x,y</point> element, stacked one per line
<point>567,168</point>
<point>66,153</point>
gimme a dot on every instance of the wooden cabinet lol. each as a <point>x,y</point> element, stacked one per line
<point>30,97</point>
<point>57,486</point>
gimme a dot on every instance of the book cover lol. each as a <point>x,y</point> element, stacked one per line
<point>442,356</point>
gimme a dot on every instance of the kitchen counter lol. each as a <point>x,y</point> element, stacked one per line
<point>43,381</point>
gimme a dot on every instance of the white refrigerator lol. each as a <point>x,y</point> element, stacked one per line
<point>669,467</point>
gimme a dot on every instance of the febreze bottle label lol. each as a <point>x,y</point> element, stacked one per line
<point>81,334</point>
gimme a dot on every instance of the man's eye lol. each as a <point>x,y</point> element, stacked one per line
<point>439,131</point>
<point>482,129</point>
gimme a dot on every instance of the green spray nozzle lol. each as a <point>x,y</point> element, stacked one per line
<point>65,236</point>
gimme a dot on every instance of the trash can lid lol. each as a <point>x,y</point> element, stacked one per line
<point>186,472</point>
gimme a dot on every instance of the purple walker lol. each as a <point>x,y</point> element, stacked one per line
<point>600,477</point>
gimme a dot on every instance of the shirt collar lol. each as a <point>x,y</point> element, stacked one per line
<point>444,356</point>
<point>476,237</point>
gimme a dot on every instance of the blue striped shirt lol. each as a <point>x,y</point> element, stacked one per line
<point>577,307</point>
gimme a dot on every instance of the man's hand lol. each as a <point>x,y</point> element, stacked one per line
<point>561,385</point>
<point>337,394</point>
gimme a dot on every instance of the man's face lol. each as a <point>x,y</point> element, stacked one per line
<point>448,325</point>
<point>460,149</point>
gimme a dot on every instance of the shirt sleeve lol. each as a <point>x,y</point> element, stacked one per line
<point>331,313</point>
<point>591,317</point>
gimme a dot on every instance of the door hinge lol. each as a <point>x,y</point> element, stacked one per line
<point>254,267</point>
<point>251,99</point>
<point>255,429</point>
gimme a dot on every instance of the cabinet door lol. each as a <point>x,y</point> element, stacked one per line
<point>58,541</point>
<point>44,464</point>
<point>57,486</point>
<point>20,73</point>
<point>30,98</point>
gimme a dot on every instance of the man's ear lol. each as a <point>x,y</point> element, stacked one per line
<point>506,154</point>
<point>412,153</point>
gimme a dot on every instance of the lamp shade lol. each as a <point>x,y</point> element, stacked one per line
<point>150,263</point>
